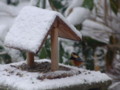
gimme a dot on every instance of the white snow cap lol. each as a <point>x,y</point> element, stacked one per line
<point>78,15</point>
<point>74,3</point>
<point>96,31</point>
<point>3,31</point>
<point>30,28</point>
<point>10,10</point>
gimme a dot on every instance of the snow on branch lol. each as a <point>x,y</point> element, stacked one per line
<point>96,25</point>
<point>78,15</point>
<point>74,3</point>
<point>96,30</point>
<point>3,31</point>
<point>8,9</point>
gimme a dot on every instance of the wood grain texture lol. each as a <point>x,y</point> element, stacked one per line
<point>30,59</point>
<point>66,32</point>
<point>54,49</point>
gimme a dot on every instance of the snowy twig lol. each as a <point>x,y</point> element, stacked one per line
<point>8,9</point>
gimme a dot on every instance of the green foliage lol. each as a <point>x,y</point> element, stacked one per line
<point>92,42</point>
<point>61,53</point>
<point>57,3</point>
<point>45,51</point>
<point>38,3</point>
<point>15,2</point>
<point>114,5</point>
<point>89,53</point>
<point>5,58</point>
<point>1,48</point>
<point>44,4</point>
<point>89,4</point>
<point>23,54</point>
<point>79,27</point>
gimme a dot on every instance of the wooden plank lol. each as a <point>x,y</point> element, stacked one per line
<point>54,49</point>
<point>30,59</point>
<point>66,32</point>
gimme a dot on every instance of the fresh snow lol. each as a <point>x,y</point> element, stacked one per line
<point>95,30</point>
<point>11,10</point>
<point>23,80</point>
<point>78,15</point>
<point>73,4</point>
<point>95,25</point>
<point>3,31</point>
<point>34,2</point>
<point>31,27</point>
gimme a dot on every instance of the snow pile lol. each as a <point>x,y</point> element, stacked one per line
<point>12,11</point>
<point>35,2</point>
<point>16,55</point>
<point>3,31</point>
<point>95,30</point>
<point>78,15</point>
<point>74,3</point>
<point>95,25</point>
<point>23,80</point>
<point>30,28</point>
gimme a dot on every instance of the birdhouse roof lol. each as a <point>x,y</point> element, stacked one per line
<point>33,25</point>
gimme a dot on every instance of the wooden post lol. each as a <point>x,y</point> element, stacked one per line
<point>30,59</point>
<point>54,49</point>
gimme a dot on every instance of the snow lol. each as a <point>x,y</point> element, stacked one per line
<point>28,33</point>
<point>3,31</point>
<point>23,80</point>
<point>34,2</point>
<point>8,9</point>
<point>78,15</point>
<point>96,25</point>
<point>74,3</point>
<point>96,30</point>
<point>16,55</point>
<point>115,86</point>
<point>6,20</point>
<point>97,35</point>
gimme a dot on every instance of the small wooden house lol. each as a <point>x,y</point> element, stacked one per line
<point>31,28</point>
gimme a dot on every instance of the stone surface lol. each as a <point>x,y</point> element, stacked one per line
<point>93,86</point>
<point>17,76</point>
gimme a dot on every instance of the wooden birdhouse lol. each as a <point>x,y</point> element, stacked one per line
<point>31,28</point>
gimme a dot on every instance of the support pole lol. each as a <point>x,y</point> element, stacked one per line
<point>54,49</point>
<point>30,59</point>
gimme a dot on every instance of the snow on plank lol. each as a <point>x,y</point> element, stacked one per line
<point>32,26</point>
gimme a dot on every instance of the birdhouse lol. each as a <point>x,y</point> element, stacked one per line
<point>31,28</point>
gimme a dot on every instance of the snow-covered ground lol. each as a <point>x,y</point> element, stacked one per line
<point>23,80</point>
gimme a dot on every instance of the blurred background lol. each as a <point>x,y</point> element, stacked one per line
<point>97,20</point>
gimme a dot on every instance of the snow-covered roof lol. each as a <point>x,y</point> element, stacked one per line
<point>23,80</point>
<point>32,26</point>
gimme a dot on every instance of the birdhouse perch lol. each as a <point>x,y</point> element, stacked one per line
<point>31,28</point>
